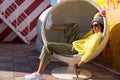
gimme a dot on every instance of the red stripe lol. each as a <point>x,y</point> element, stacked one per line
<point>5,33</point>
<point>32,24</point>
<point>1,21</point>
<point>33,6</point>
<point>1,1</point>
<point>19,2</point>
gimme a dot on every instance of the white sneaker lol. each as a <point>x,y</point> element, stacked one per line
<point>33,76</point>
<point>49,22</point>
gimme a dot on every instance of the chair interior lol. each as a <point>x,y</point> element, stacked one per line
<point>74,11</point>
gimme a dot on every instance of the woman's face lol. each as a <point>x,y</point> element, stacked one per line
<point>96,27</point>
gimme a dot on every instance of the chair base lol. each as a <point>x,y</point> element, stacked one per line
<point>68,73</point>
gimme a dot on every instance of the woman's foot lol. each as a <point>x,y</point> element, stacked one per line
<point>49,22</point>
<point>33,76</point>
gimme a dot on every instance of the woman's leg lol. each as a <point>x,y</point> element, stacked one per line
<point>45,56</point>
<point>41,67</point>
<point>49,49</point>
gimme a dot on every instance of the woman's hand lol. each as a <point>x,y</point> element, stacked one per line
<point>102,13</point>
<point>77,70</point>
<point>77,67</point>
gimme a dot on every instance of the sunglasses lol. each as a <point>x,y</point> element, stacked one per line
<point>95,25</point>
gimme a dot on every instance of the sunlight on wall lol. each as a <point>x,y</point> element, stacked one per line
<point>111,54</point>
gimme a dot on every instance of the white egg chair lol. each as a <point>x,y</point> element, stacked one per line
<point>73,11</point>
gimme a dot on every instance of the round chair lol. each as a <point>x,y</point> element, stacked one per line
<point>73,11</point>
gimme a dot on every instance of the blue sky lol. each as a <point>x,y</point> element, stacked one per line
<point>53,2</point>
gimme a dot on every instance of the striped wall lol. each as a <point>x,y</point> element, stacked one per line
<point>32,8</point>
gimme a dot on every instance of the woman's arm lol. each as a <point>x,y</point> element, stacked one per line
<point>58,27</point>
<point>94,42</point>
<point>101,13</point>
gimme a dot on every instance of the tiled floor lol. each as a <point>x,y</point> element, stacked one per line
<point>17,59</point>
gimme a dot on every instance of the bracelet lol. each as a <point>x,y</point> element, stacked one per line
<point>76,66</point>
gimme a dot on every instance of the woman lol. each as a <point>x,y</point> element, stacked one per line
<point>78,46</point>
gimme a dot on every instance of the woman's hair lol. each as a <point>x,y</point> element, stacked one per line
<point>102,27</point>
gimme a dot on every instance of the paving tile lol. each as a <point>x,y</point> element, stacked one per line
<point>6,74</point>
<point>6,57</point>
<point>49,77</point>
<point>23,68</point>
<point>6,79</point>
<point>47,71</point>
<point>18,59</point>
<point>7,54</point>
<point>21,64</point>
<point>19,78</point>
<point>19,54</point>
<point>19,74</point>
<point>6,68</point>
<point>7,51</point>
<point>6,64</point>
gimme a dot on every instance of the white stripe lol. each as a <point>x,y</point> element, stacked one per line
<point>3,26</point>
<point>10,37</point>
<point>19,10</point>
<point>5,4</point>
<point>32,34</point>
<point>34,14</point>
